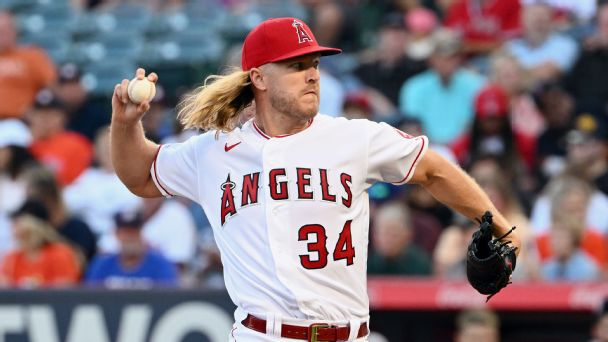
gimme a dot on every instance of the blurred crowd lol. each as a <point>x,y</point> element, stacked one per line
<point>511,90</point>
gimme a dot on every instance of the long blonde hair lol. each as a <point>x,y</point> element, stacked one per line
<point>218,103</point>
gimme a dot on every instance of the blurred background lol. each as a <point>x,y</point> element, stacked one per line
<point>514,91</point>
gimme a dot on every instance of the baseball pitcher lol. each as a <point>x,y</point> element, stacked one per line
<point>286,192</point>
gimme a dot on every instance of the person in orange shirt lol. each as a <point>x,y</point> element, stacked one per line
<point>24,70</point>
<point>569,204</point>
<point>66,153</point>
<point>41,258</point>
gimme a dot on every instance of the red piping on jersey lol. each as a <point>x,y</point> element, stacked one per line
<point>156,172</point>
<point>277,136</point>
<point>414,163</point>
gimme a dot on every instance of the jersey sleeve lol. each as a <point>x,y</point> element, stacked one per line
<point>174,170</point>
<point>393,154</point>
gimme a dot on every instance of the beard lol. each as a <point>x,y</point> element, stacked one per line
<point>291,105</point>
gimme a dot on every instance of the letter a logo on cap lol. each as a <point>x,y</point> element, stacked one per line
<point>302,35</point>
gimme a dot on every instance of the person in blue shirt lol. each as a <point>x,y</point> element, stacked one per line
<point>135,265</point>
<point>442,97</point>
<point>543,52</point>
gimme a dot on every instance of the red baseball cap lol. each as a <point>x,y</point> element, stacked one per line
<point>278,39</point>
<point>491,101</point>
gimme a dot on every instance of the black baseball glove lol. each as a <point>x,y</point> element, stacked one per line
<point>490,262</point>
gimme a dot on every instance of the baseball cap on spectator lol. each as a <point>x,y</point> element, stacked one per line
<point>132,219</point>
<point>45,99</point>
<point>69,72</point>
<point>279,39</point>
<point>420,21</point>
<point>359,99</point>
<point>587,127</point>
<point>14,132</point>
<point>491,101</point>
<point>446,43</point>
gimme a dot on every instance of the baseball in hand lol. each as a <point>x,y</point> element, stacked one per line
<point>141,90</point>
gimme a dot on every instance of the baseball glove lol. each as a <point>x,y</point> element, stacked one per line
<point>490,262</point>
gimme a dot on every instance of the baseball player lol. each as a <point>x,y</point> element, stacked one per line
<point>286,192</point>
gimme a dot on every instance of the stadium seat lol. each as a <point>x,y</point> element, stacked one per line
<point>56,44</point>
<point>48,18</point>
<point>127,18</point>
<point>209,16</point>
<point>192,47</point>
<point>108,46</point>
<point>100,78</point>
<point>16,6</point>
<point>191,17</point>
<point>275,9</point>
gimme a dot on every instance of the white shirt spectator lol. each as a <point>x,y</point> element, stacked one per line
<point>12,191</point>
<point>596,217</point>
<point>583,10</point>
<point>171,231</point>
<point>95,197</point>
<point>557,48</point>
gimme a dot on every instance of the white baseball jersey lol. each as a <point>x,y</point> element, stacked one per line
<point>290,214</point>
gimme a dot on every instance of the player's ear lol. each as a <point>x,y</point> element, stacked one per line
<point>257,78</point>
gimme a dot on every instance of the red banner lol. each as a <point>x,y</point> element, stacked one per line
<point>425,294</point>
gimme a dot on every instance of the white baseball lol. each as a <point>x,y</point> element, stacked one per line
<point>141,90</point>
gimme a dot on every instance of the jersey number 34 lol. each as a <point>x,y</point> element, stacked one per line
<point>343,250</point>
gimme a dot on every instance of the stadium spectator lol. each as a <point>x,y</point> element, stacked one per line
<point>169,228</point>
<point>386,67</point>
<point>334,22</point>
<point>569,262</point>
<point>15,159</point>
<point>444,94</point>
<point>421,23</point>
<point>84,115</point>
<point>15,137</point>
<point>586,150</point>
<point>476,325</point>
<point>67,153</point>
<point>135,265</point>
<point>544,53</point>
<point>24,70</point>
<point>596,209</point>
<point>97,194</point>
<point>484,24</point>
<point>587,80</point>
<point>557,107</point>
<point>571,198</point>
<point>393,251</point>
<point>41,258</point>
<point>506,72</point>
<point>357,106</point>
<point>42,186</point>
<point>492,133</point>
<point>568,13</point>
<point>449,256</point>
